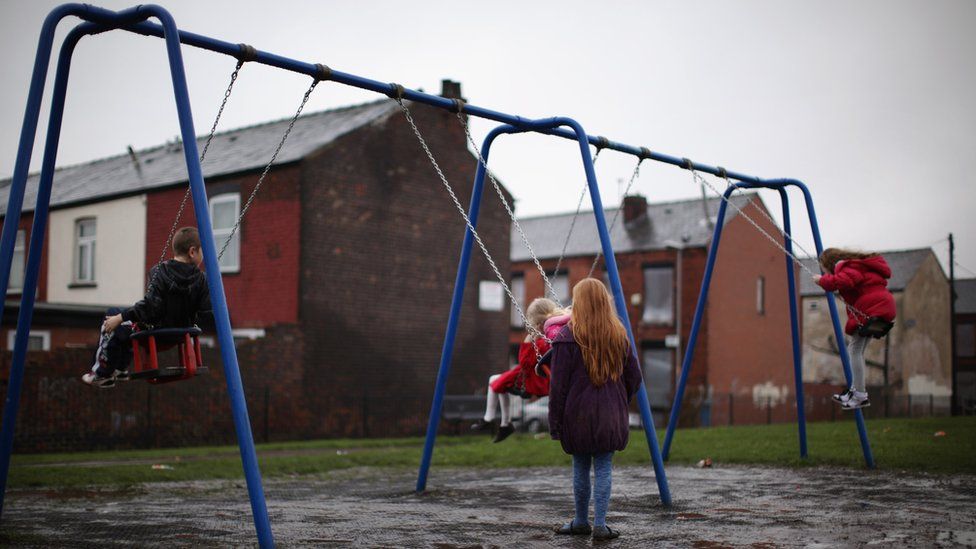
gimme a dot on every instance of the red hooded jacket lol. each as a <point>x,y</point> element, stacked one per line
<point>863,284</point>
<point>533,384</point>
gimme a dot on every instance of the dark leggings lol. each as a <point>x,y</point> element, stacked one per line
<point>118,348</point>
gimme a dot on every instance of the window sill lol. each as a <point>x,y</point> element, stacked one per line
<point>76,285</point>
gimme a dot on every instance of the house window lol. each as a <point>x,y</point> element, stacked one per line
<point>85,250</point>
<point>16,283</point>
<point>966,339</point>
<point>224,211</point>
<point>658,295</point>
<point>761,295</point>
<point>36,340</point>
<point>518,290</point>
<point>560,285</point>
<point>658,364</point>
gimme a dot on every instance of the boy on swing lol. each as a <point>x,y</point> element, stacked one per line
<point>177,293</point>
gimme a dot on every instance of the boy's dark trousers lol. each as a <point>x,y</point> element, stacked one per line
<point>118,348</point>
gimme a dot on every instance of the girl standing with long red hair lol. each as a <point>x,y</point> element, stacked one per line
<point>594,375</point>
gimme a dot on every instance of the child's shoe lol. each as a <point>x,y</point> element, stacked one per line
<point>857,400</point>
<point>573,529</point>
<point>841,398</point>
<point>604,532</point>
<point>95,380</point>
<point>503,432</point>
<point>481,425</point>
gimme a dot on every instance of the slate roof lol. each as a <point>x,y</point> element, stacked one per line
<point>233,151</point>
<point>676,222</point>
<point>904,264</point>
<point>966,296</point>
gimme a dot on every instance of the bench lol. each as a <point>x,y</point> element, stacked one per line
<point>461,410</point>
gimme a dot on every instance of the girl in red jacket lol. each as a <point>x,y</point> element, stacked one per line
<point>522,379</point>
<point>862,280</point>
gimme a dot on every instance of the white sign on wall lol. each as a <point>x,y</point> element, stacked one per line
<point>490,296</point>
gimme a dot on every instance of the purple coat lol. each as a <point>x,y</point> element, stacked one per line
<point>584,418</point>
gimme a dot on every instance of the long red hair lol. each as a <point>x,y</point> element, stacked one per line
<point>832,256</point>
<point>598,331</point>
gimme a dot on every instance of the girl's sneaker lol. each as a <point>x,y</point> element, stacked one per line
<point>856,400</point>
<point>842,398</point>
<point>95,380</point>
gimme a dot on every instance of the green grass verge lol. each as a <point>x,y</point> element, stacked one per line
<point>898,444</point>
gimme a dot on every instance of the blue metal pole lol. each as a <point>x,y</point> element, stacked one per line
<point>621,305</point>
<point>801,420</point>
<point>619,302</point>
<point>201,208</point>
<point>679,391</point>
<point>310,69</point>
<point>452,323</point>
<point>16,379</point>
<point>835,318</point>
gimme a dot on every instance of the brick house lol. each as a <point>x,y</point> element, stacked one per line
<point>965,357</point>
<point>743,353</point>
<point>912,366</point>
<point>338,282</point>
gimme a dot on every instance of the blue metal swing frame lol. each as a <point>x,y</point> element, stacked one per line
<point>98,20</point>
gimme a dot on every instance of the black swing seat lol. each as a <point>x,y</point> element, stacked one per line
<point>151,341</point>
<point>875,327</point>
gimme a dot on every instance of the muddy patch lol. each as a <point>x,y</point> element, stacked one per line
<point>464,508</point>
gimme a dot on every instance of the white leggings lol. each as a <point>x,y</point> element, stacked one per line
<point>855,349</point>
<point>498,400</point>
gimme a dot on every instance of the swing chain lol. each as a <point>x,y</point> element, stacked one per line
<point>511,214</point>
<point>699,178</point>
<point>613,222</point>
<point>267,168</point>
<point>203,155</point>
<point>467,221</point>
<point>572,225</point>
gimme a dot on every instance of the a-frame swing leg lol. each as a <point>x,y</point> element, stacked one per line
<point>778,184</point>
<point>679,391</point>
<point>459,292</point>
<point>107,19</point>
<point>845,359</point>
<point>801,417</point>
<point>447,350</point>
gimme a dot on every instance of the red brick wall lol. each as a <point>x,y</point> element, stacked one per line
<point>736,348</point>
<point>59,413</point>
<point>265,290</point>
<point>748,349</point>
<point>381,244</point>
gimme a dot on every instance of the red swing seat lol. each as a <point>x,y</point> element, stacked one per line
<point>151,342</point>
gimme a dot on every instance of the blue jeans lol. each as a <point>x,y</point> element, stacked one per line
<point>602,469</point>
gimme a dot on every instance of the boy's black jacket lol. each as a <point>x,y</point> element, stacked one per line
<point>177,294</point>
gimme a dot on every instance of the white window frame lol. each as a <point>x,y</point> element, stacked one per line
<point>517,286</point>
<point>646,313</point>
<point>20,247</point>
<point>88,242</point>
<point>221,234</point>
<point>557,281</point>
<point>45,336</point>
<point>761,295</point>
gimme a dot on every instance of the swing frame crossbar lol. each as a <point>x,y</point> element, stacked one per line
<point>98,20</point>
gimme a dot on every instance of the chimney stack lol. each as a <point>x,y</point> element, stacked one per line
<point>635,209</point>
<point>451,89</point>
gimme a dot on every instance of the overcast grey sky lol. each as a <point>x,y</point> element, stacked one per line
<point>871,103</point>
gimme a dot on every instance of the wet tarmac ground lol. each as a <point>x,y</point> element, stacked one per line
<point>466,508</point>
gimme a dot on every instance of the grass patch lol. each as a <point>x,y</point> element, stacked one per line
<point>898,444</point>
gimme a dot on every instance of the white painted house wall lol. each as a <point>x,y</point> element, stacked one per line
<point>120,251</point>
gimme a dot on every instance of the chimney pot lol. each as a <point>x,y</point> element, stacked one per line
<point>635,208</point>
